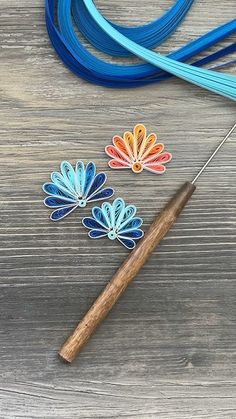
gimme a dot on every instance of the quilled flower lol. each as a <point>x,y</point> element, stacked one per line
<point>137,151</point>
<point>73,188</point>
<point>116,221</point>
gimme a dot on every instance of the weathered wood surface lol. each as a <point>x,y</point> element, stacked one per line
<point>167,349</point>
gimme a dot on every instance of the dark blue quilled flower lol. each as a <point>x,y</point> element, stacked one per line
<point>72,188</point>
<point>116,221</point>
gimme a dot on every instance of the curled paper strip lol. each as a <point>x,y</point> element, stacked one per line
<point>150,35</point>
<point>73,188</point>
<point>220,83</point>
<point>137,151</point>
<point>116,221</point>
<point>119,41</point>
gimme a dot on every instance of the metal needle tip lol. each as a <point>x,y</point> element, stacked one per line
<point>213,154</point>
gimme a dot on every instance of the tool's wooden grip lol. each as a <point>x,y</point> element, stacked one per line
<point>125,274</point>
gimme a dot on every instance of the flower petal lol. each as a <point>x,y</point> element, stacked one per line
<point>128,243</point>
<point>122,147</point>
<point>90,172</point>
<point>79,177</point>
<point>91,223</point>
<point>132,234</point>
<point>129,213</point>
<point>158,158</point>
<point>97,183</point>
<point>130,143</point>
<point>133,224</point>
<point>53,189</point>
<point>139,137</point>
<point>62,183</point>
<point>99,216</point>
<point>97,234</point>
<point>117,164</point>
<point>147,145</point>
<point>107,210</point>
<point>155,168</point>
<point>61,213</point>
<point>155,151</point>
<point>116,154</point>
<point>118,210</point>
<point>103,194</point>
<point>58,201</point>
<point>68,174</point>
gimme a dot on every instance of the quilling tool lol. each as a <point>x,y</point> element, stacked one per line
<point>131,266</point>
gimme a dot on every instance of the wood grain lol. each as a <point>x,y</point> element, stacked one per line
<point>167,350</point>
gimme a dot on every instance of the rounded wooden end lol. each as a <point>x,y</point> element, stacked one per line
<point>64,358</point>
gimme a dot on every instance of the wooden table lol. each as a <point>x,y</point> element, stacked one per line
<point>168,348</point>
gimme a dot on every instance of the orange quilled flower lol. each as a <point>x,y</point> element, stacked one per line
<point>138,151</point>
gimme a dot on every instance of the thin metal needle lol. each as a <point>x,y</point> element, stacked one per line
<point>215,152</point>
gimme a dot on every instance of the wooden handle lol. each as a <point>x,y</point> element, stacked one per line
<point>125,274</point>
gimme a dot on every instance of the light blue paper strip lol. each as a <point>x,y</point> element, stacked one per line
<point>220,83</point>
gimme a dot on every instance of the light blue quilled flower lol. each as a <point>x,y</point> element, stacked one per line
<point>73,188</point>
<point>116,221</point>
